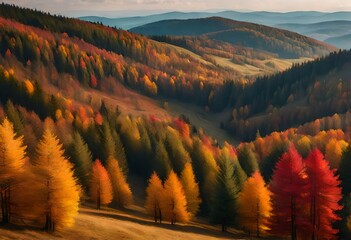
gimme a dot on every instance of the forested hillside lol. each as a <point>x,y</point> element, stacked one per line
<point>70,141</point>
<point>284,43</point>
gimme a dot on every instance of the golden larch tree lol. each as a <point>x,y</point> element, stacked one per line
<point>333,151</point>
<point>174,205</point>
<point>254,205</point>
<point>100,185</point>
<point>191,189</point>
<point>122,195</point>
<point>154,197</point>
<point>12,160</point>
<point>60,191</point>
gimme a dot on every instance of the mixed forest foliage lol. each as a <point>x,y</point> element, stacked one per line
<point>57,152</point>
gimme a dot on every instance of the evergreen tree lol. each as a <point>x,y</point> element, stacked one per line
<point>120,152</point>
<point>82,159</point>
<point>344,171</point>
<point>14,117</point>
<point>205,169</point>
<point>223,208</point>
<point>247,160</point>
<point>345,177</point>
<point>161,163</point>
<point>177,153</point>
<point>109,145</point>
<point>268,164</point>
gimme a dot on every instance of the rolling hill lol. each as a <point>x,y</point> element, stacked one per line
<point>265,18</point>
<point>284,43</point>
<point>343,41</point>
<point>88,113</point>
<point>323,31</point>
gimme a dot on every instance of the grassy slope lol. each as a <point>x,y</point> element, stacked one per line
<point>263,67</point>
<point>131,224</point>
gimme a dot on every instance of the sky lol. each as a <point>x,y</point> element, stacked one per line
<point>122,8</point>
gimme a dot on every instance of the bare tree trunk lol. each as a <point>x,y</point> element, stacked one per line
<point>258,219</point>
<point>2,205</point>
<point>159,209</point>
<point>293,224</point>
<point>98,200</point>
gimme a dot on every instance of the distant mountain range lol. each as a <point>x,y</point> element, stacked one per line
<point>266,18</point>
<point>318,25</point>
<point>284,43</point>
<point>332,32</point>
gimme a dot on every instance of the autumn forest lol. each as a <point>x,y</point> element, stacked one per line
<point>88,123</point>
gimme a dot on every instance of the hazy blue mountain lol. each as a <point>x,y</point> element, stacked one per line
<point>131,22</point>
<point>341,41</point>
<point>332,32</point>
<point>269,39</point>
<point>320,31</point>
<point>266,18</point>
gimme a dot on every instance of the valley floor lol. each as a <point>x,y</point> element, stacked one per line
<point>132,224</point>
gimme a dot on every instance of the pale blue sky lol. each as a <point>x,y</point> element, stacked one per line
<point>144,7</point>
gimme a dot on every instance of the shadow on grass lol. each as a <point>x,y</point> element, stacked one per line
<point>139,218</point>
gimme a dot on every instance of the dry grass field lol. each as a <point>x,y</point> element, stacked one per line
<point>132,224</point>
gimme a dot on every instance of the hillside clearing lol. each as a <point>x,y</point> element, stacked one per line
<point>112,224</point>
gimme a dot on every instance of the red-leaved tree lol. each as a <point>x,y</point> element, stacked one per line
<point>324,193</point>
<point>289,187</point>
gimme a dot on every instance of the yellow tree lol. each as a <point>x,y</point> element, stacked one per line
<point>191,189</point>
<point>122,195</point>
<point>154,197</point>
<point>174,205</point>
<point>254,205</point>
<point>100,185</point>
<point>12,160</point>
<point>59,189</point>
<point>333,151</point>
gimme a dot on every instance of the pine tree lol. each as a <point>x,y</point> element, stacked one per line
<point>109,145</point>
<point>60,190</point>
<point>120,152</point>
<point>324,192</point>
<point>344,170</point>
<point>239,173</point>
<point>191,189</point>
<point>14,117</point>
<point>177,153</point>
<point>254,205</point>
<point>100,185</point>
<point>161,163</point>
<point>247,160</point>
<point>289,189</point>
<point>224,194</point>
<point>174,205</point>
<point>122,195</point>
<point>12,160</point>
<point>268,164</point>
<point>154,197</point>
<point>205,169</point>
<point>345,177</point>
<point>82,159</point>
